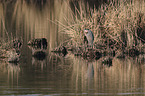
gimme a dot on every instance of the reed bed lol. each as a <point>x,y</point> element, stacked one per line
<point>118,21</point>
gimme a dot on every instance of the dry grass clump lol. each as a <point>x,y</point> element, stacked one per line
<point>7,47</point>
<point>124,16</point>
<point>4,47</point>
<point>118,21</point>
<point>83,18</point>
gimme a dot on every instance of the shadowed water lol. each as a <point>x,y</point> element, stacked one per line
<point>53,74</point>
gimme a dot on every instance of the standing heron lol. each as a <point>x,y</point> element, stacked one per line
<point>89,37</point>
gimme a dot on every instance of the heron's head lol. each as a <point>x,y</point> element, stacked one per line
<point>86,31</point>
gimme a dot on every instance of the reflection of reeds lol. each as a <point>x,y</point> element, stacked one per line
<point>9,71</point>
<point>125,75</point>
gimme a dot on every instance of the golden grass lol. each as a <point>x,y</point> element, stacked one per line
<point>110,20</point>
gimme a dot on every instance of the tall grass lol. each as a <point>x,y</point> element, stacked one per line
<point>109,21</point>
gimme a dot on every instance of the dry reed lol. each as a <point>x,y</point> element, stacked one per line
<point>109,21</point>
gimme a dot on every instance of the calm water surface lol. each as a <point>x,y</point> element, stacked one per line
<point>58,75</point>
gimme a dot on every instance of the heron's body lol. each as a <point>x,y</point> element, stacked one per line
<point>89,36</point>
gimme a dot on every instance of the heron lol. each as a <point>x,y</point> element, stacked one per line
<point>89,37</point>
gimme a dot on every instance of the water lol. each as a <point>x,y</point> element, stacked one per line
<point>57,75</point>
